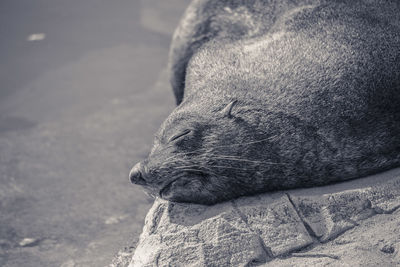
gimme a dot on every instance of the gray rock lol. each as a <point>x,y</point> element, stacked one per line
<point>352,223</point>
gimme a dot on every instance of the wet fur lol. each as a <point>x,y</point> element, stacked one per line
<point>313,89</point>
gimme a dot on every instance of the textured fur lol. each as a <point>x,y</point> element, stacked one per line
<point>278,95</point>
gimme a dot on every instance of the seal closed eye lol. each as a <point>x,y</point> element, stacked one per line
<point>179,135</point>
<point>277,96</point>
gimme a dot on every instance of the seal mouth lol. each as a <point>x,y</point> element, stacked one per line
<point>167,187</point>
<point>196,179</point>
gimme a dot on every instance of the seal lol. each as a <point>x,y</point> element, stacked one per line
<point>276,95</point>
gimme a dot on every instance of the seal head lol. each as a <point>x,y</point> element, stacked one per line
<point>195,159</point>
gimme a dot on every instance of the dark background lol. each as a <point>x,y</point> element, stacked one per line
<point>77,110</point>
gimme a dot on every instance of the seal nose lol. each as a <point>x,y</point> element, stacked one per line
<point>136,175</point>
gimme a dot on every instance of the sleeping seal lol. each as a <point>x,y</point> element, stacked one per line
<point>275,95</point>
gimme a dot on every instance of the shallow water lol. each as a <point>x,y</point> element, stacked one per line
<point>83,90</point>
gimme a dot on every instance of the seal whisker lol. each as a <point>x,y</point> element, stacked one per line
<point>192,170</point>
<point>245,143</point>
<point>221,146</point>
<point>171,157</point>
<point>233,158</point>
<point>199,168</point>
<point>228,167</point>
<point>186,166</point>
<point>174,161</point>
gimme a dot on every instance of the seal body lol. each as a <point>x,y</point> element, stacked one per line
<point>276,95</point>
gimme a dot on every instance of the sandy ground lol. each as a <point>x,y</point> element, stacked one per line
<point>77,110</point>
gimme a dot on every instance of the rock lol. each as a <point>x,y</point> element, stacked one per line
<point>352,223</point>
<point>275,220</point>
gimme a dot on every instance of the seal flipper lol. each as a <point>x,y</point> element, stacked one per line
<point>206,20</point>
<point>192,32</point>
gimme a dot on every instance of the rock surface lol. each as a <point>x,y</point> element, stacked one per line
<point>348,224</point>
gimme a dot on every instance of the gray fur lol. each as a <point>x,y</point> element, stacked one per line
<point>315,88</point>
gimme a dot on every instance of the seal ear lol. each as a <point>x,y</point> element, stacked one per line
<point>226,111</point>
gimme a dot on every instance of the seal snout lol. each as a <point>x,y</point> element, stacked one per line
<point>136,175</point>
